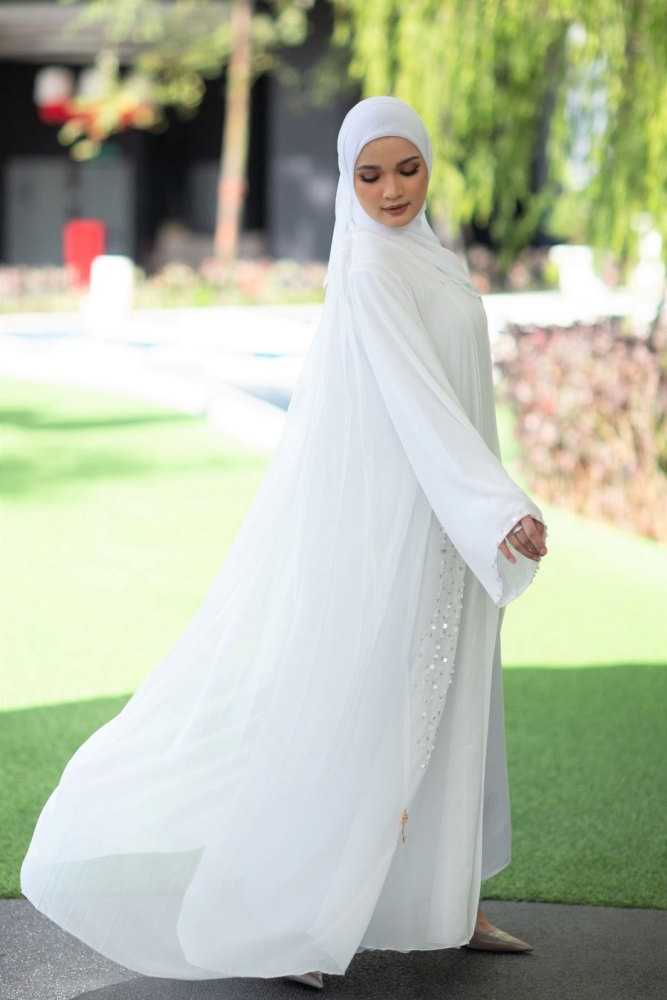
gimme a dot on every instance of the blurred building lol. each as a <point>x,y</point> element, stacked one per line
<point>157,192</point>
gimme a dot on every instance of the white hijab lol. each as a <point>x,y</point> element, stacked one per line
<point>374,118</point>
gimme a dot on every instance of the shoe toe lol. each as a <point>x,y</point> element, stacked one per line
<point>497,940</point>
<point>309,979</point>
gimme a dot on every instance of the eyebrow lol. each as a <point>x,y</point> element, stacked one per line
<point>375,166</point>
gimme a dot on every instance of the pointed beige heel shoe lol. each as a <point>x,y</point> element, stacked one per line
<point>497,940</point>
<point>313,979</point>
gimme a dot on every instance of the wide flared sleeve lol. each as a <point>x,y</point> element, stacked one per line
<point>472,495</point>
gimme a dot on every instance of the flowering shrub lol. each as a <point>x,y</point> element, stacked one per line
<point>175,285</point>
<point>265,279</point>
<point>18,282</point>
<point>591,407</point>
<point>531,270</point>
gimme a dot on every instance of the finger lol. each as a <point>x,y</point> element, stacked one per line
<point>541,529</point>
<point>521,541</point>
<point>505,549</point>
<point>528,533</point>
<point>535,531</point>
<point>524,546</point>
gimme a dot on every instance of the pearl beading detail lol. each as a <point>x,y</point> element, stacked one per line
<point>431,681</point>
<point>434,668</point>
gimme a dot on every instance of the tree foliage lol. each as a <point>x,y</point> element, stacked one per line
<point>545,114</point>
<point>171,49</point>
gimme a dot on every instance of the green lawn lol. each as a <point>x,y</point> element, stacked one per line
<point>117,515</point>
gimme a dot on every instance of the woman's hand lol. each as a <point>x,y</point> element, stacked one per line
<point>529,539</point>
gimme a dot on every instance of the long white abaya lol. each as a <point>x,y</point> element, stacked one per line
<point>288,786</point>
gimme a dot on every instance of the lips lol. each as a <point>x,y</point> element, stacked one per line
<point>396,209</point>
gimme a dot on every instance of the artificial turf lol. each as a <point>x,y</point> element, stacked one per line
<point>117,515</point>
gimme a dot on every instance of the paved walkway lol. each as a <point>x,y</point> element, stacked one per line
<point>236,365</point>
<point>580,953</point>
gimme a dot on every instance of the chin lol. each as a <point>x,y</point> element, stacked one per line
<point>396,223</point>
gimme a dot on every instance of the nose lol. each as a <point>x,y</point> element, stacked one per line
<point>392,189</point>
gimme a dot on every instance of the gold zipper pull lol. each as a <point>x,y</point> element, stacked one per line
<point>404,823</point>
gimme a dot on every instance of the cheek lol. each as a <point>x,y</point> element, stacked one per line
<point>366,193</point>
<point>418,186</point>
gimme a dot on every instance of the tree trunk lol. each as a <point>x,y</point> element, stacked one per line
<point>232,183</point>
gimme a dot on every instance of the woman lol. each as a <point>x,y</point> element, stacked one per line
<point>273,799</point>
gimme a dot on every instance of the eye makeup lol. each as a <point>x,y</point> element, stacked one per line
<point>404,173</point>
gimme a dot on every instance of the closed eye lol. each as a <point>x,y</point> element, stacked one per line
<point>404,173</point>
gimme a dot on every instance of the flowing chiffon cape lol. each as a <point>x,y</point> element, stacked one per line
<point>286,787</point>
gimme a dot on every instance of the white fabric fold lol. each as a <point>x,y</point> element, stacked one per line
<point>474,498</point>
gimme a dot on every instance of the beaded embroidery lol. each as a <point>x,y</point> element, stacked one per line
<point>434,672</point>
<point>436,651</point>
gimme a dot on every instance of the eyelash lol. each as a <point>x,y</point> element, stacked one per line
<point>372,180</point>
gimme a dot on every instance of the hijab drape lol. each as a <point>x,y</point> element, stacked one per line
<point>370,119</point>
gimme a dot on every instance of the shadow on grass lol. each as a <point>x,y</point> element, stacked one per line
<point>586,753</point>
<point>41,467</point>
<point>23,476</point>
<point>32,419</point>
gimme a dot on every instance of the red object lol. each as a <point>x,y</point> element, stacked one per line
<point>83,240</point>
<point>55,113</point>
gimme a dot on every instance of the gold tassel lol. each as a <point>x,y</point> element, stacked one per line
<point>404,822</point>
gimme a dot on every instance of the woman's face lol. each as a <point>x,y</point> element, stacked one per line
<point>390,172</point>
